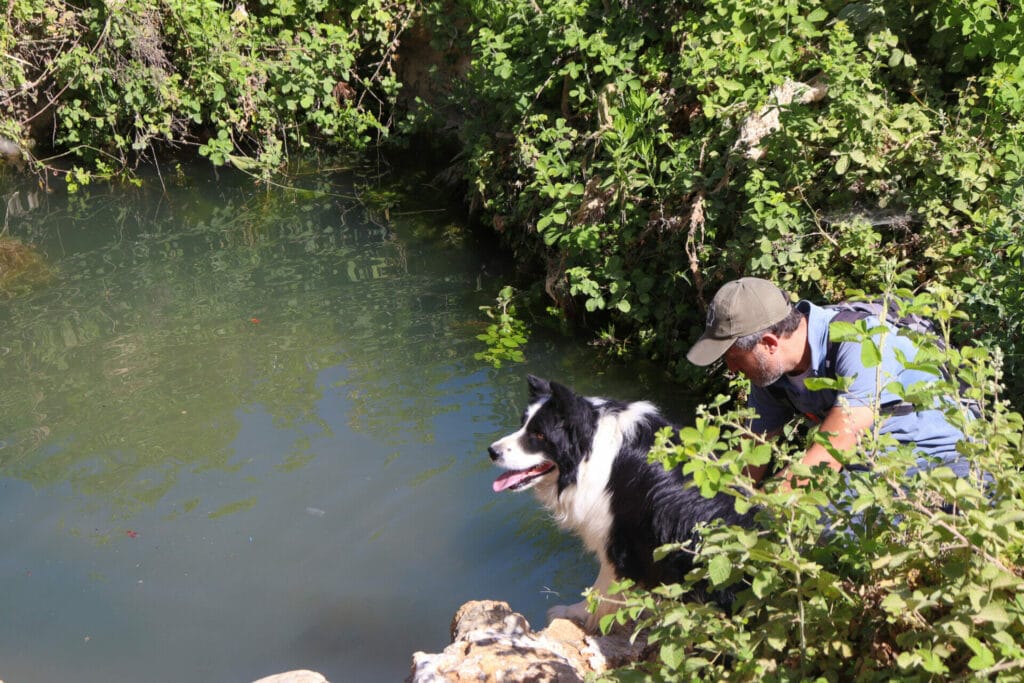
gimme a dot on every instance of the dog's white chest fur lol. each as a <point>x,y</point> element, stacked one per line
<point>584,506</point>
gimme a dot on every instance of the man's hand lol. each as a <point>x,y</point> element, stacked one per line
<point>843,426</point>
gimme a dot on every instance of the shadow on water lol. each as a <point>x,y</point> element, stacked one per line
<point>242,431</point>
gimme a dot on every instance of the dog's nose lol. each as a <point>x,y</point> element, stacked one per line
<point>493,453</point>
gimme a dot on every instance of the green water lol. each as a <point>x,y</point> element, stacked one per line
<point>242,431</point>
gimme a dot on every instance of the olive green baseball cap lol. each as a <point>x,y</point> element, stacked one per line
<point>740,307</point>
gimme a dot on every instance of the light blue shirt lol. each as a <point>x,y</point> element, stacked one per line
<point>928,430</point>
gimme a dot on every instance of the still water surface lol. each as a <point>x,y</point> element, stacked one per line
<point>242,431</point>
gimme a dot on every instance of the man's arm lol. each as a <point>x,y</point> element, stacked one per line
<point>843,427</point>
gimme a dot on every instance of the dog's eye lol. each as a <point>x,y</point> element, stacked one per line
<point>538,436</point>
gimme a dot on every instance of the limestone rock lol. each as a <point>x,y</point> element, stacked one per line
<point>767,121</point>
<point>300,676</point>
<point>491,643</point>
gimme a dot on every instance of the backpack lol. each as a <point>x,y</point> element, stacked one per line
<point>852,311</point>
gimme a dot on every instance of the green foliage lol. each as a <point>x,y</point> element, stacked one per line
<point>871,576</point>
<point>644,153</point>
<point>252,84</point>
<point>506,335</point>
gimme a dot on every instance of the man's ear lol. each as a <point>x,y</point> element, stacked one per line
<point>770,342</point>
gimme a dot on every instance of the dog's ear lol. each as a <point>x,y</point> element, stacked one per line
<point>538,387</point>
<point>569,399</point>
<point>577,416</point>
<point>561,392</point>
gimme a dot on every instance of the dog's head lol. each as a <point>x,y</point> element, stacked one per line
<point>556,435</point>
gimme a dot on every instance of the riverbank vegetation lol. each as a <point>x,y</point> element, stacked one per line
<point>94,89</point>
<point>644,153</point>
<point>633,156</point>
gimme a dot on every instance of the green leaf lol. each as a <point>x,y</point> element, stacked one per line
<point>894,604</point>
<point>842,331</point>
<point>994,613</point>
<point>870,354</point>
<point>817,15</point>
<point>819,383</point>
<point>983,657</point>
<point>931,662</point>
<point>672,656</point>
<point>719,569</point>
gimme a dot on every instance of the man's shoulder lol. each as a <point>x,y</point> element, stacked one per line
<point>818,320</point>
<point>817,314</point>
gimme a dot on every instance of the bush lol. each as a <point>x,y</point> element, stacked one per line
<point>103,86</point>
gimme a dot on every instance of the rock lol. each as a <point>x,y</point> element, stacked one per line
<point>300,676</point>
<point>10,152</point>
<point>768,120</point>
<point>491,643</point>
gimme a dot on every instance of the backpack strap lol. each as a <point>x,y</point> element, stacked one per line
<point>849,315</point>
<point>843,315</point>
<point>782,396</point>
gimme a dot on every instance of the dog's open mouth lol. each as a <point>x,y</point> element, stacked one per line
<point>519,479</point>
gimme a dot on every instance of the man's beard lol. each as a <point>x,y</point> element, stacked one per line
<point>766,375</point>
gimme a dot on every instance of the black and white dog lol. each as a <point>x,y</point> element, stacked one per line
<point>586,459</point>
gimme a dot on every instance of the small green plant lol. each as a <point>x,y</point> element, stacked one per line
<point>506,335</point>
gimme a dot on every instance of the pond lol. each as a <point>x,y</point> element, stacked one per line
<point>242,431</point>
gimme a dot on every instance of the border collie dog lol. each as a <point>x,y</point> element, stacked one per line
<point>586,460</point>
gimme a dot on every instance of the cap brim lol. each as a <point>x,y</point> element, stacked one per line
<point>708,349</point>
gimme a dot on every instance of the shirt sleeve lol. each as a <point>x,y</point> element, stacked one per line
<point>772,414</point>
<point>869,383</point>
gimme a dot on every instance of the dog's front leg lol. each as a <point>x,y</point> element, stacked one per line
<point>579,612</point>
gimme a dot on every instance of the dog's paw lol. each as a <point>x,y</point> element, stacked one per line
<point>577,613</point>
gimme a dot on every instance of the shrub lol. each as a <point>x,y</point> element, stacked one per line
<point>103,86</point>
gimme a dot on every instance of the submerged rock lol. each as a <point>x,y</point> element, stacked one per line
<point>21,266</point>
<point>300,676</point>
<point>9,151</point>
<point>491,643</point>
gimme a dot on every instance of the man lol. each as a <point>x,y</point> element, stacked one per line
<point>754,328</point>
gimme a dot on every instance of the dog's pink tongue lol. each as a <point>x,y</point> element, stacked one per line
<point>509,479</point>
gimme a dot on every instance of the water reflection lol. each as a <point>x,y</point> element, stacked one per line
<point>164,321</point>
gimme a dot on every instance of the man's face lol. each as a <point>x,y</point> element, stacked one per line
<point>757,365</point>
